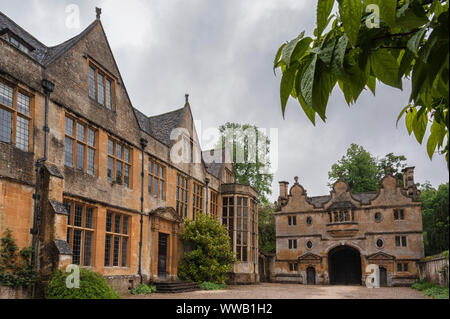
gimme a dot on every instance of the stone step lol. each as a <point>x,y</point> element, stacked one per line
<point>175,286</point>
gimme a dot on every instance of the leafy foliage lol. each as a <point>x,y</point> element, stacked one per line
<point>249,148</point>
<point>143,289</point>
<point>411,41</point>
<point>363,172</point>
<point>15,266</point>
<point>211,256</point>
<point>212,286</point>
<point>92,286</point>
<point>431,289</point>
<point>435,216</point>
<point>266,229</point>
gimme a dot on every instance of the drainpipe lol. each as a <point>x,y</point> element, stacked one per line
<point>206,183</point>
<point>48,87</point>
<point>143,145</point>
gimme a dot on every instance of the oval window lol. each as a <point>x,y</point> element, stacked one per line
<point>309,244</point>
<point>309,220</point>
<point>378,217</point>
<point>380,243</point>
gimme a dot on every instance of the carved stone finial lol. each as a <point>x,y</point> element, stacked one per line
<point>98,12</point>
<point>340,175</point>
<point>187,98</point>
<point>388,170</point>
<point>296,179</point>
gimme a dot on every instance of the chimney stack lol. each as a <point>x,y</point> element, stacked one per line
<point>283,189</point>
<point>408,180</point>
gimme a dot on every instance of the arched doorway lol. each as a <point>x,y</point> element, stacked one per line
<point>344,266</point>
<point>383,277</point>
<point>310,276</point>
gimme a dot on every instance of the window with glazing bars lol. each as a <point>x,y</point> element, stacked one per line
<point>100,86</point>
<point>117,240</point>
<point>156,175</point>
<point>80,232</point>
<point>182,195</point>
<point>15,116</point>
<point>197,199</point>
<point>242,228</point>
<point>79,145</point>
<point>228,217</point>
<point>119,163</point>
<point>213,203</point>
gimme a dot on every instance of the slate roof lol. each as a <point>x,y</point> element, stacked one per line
<point>215,166</point>
<point>42,54</point>
<point>365,198</point>
<point>318,201</point>
<point>160,126</point>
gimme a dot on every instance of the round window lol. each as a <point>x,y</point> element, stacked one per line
<point>309,244</point>
<point>378,217</point>
<point>380,243</point>
<point>309,220</point>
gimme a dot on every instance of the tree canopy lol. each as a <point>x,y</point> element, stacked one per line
<point>249,148</point>
<point>370,40</point>
<point>363,172</point>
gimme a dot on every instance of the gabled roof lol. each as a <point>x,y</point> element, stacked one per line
<point>161,126</point>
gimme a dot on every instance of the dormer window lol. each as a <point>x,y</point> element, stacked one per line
<point>100,86</point>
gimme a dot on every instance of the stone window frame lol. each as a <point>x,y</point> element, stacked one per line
<point>308,220</point>
<point>292,220</point>
<point>214,203</point>
<point>107,78</point>
<point>382,243</point>
<point>293,266</point>
<point>159,177</point>
<point>243,211</point>
<point>402,267</point>
<point>123,236</point>
<point>122,161</point>
<point>85,260</point>
<point>401,241</point>
<point>254,236</point>
<point>306,245</point>
<point>399,214</point>
<point>16,114</point>
<point>381,217</point>
<point>85,144</point>
<point>182,195</point>
<point>197,199</point>
<point>348,216</point>
<point>228,215</point>
<point>292,244</point>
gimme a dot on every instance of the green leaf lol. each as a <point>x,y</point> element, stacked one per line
<point>401,113</point>
<point>431,145</point>
<point>277,57</point>
<point>324,8</point>
<point>287,83</point>
<point>337,63</point>
<point>324,83</point>
<point>290,47</point>
<point>307,82</point>
<point>300,49</point>
<point>388,11</point>
<point>410,21</point>
<point>420,124</point>
<point>372,84</point>
<point>415,41</point>
<point>409,119</point>
<point>385,67</point>
<point>351,13</point>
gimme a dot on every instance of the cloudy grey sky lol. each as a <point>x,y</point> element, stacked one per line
<point>221,53</point>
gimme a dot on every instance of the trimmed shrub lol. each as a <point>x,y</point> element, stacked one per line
<point>212,286</point>
<point>143,289</point>
<point>92,286</point>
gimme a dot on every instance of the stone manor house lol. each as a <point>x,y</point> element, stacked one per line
<point>88,179</point>
<point>331,239</point>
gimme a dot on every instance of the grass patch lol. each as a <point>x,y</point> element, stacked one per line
<point>143,289</point>
<point>431,289</point>
<point>206,285</point>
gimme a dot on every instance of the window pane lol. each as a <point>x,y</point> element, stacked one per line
<point>110,169</point>
<point>155,187</point>
<point>127,155</point>
<point>69,212</point>
<point>126,175</point>
<point>108,94</point>
<point>124,251</point>
<point>91,137</point>
<point>119,151</point>
<point>397,241</point>
<point>87,248</point>
<point>118,172</point>
<point>91,82</point>
<point>89,217</point>
<point>80,156</point>
<point>76,249</point>
<point>69,233</point>
<point>78,216</point>
<point>23,103</point>
<point>22,133</point>
<point>150,185</point>
<point>108,222</point>
<point>80,132</point>
<point>69,126</point>
<point>100,89</point>
<point>68,152</point>
<point>404,241</point>
<point>116,251</point>
<point>5,125</point>
<point>6,94</point>
<point>110,147</point>
<point>161,189</point>
<point>108,250</point>
<point>117,224</point>
<point>91,158</point>
<point>125,225</point>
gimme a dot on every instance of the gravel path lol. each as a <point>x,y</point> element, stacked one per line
<point>294,291</point>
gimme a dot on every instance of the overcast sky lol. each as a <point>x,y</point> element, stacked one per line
<point>221,53</point>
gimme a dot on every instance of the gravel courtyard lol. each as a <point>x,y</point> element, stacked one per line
<point>294,291</point>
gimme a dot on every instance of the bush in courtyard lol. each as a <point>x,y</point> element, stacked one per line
<point>431,289</point>
<point>15,266</point>
<point>143,289</point>
<point>92,286</point>
<point>210,256</point>
<point>212,286</point>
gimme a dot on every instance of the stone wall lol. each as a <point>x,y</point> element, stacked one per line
<point>434,270</point>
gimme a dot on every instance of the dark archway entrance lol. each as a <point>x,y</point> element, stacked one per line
<point>344,266</point>
<point>310,276</point>
<point>383,277</point>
